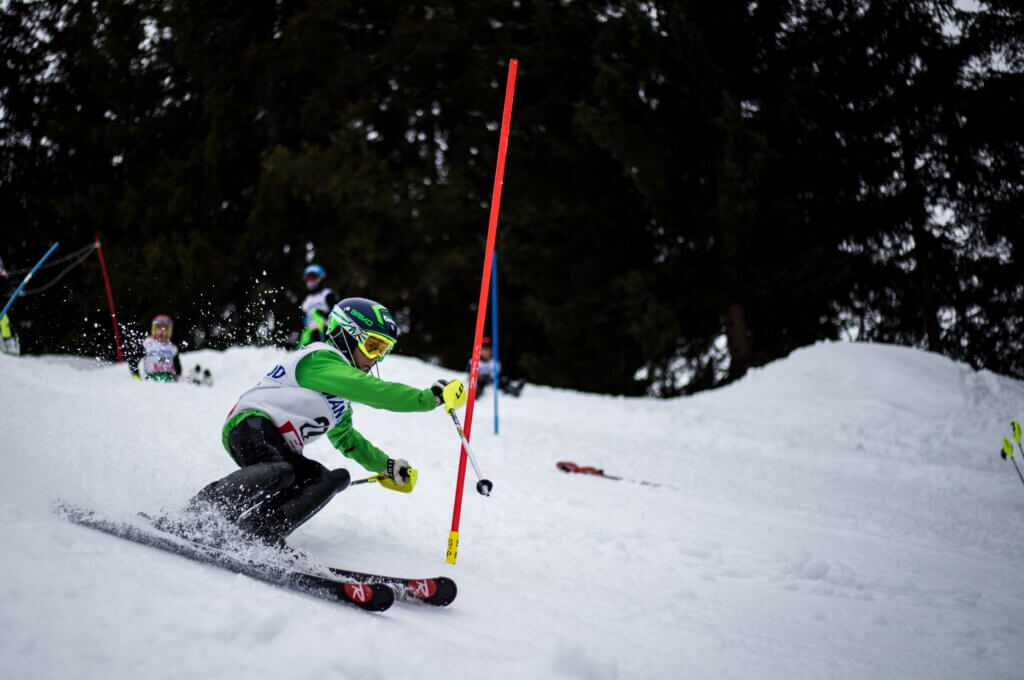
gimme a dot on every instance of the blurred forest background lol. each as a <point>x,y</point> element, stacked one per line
<point>692,188</point>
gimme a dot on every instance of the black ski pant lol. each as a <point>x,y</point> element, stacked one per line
<point>276,490</point>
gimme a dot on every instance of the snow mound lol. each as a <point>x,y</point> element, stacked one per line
<point>840,513</point>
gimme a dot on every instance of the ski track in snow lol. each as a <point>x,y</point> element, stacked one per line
<point>840,513</point>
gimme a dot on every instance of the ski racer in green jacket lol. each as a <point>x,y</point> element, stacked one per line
<point>310,394</point>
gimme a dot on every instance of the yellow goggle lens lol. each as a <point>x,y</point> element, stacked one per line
<point>376,347</point>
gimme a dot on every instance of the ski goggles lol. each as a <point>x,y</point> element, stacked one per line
<point>376,346</point>
<point>161,324</point>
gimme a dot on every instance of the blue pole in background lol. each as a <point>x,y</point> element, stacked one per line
<point>27,278</point>
<point>494,336</point>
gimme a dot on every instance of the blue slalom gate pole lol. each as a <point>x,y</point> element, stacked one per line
<point>28,278</point>
<point>494,335</point>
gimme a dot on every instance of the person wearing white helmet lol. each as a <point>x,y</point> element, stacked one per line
<point>316,306</point>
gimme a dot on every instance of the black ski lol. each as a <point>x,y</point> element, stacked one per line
<point>366,595</point>
<point>439,591</point>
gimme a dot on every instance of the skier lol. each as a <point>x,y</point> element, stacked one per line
<point>8,338</point>
<point>307,395</point>
<point>485,373</point>
<point>159,356</point>
<point>316,306</point>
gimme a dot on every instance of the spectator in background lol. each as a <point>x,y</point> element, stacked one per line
<point>159,356</point>
<point>8,338</point>
<point>317,305</point>
<point>485,376</point>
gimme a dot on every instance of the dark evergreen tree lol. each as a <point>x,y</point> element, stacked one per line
<point>692,188</point>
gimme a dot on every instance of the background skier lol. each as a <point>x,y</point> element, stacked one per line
<point>316,306</point>
<point>8,338</point>
<point>159,356</point>
<point>310,394</point>
<point>485,376</point>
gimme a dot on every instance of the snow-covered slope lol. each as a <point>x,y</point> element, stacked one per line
<point>842,513</point>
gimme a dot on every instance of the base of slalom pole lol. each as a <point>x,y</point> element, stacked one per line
<point>453,547</point>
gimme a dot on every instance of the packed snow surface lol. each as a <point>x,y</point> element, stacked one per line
<point>841,513</point>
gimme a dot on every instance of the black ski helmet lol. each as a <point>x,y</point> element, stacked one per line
<point>354,319</point>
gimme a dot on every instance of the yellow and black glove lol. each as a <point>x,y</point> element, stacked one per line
<point>451,394</point>
<point>397,475</point>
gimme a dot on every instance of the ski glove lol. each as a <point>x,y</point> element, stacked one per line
<point>397,470</point>
<point>451,394</point>
<point>397,476</point>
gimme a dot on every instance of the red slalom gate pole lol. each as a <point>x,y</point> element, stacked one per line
<point>110,299</point>
<point>481,308</point>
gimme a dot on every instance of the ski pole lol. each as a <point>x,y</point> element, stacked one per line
<point>483,486</point>
<point>29,278</point>
<point>1007,452</point>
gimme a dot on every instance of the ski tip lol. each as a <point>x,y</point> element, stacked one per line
<point>446,592</point>
<point>65,510</point>
<point>439,591</point>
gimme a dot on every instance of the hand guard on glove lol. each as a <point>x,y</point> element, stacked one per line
<point>451,394</point>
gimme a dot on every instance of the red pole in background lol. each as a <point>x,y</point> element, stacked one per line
<point>481,309</point>
<point>110,299</point>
